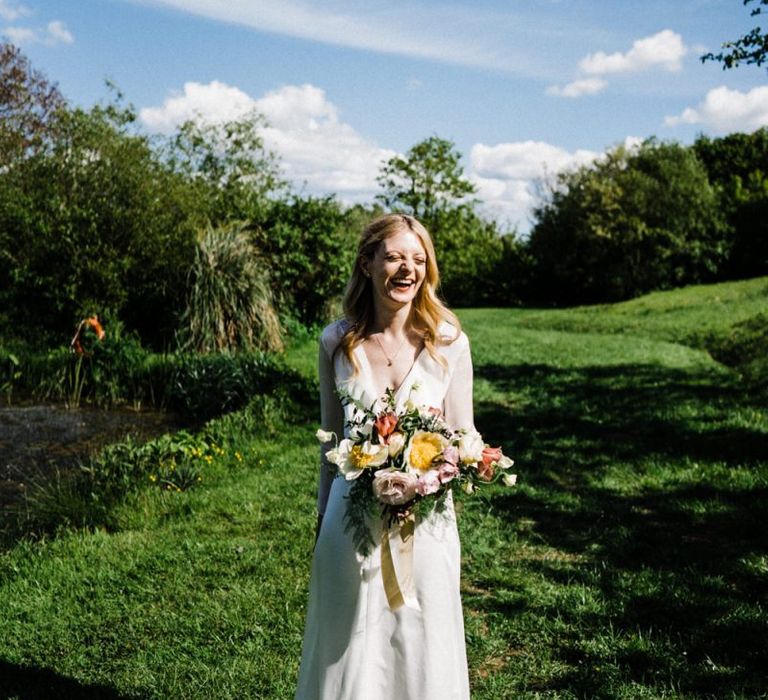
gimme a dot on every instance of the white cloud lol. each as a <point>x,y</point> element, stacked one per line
<point>726,110</point>
<point>10,12</point>
<point>578,88</point>
<point>506,174</point>
<point>316,147</point>
<point>58,33</point>
<point>664,49</point>
<point>21,35</point>
<point>214,102</point>
<point>55,33</point>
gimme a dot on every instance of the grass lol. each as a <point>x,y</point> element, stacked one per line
<point>631,561</point>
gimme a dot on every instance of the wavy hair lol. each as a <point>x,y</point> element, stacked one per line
<point>427,310</point>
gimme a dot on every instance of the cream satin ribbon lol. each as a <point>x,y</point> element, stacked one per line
<point>397,571</point>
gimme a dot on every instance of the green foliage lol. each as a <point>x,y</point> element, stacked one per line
<point>10,373</point>
<point>229,304</point>
<point>95,223</point>
<point>628,563</point>
<point>204,386</point>
<point>478,265</point>
<point>231,170</point>
<point>427,180</point>
<point>745,347</point>
<point>310,247</point>
<point>634,221</point>
<point>737,168</point>
<point>750,48</point>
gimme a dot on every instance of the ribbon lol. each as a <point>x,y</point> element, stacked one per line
<point>397,570</point>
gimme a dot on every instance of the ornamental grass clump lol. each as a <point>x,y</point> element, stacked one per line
<point>230,304</point>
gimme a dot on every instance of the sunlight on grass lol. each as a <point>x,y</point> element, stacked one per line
<point>628,563</point>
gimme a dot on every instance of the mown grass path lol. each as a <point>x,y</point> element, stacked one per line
<point>631,561</point>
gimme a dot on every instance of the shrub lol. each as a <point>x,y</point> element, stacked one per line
<point>229,303</point>
<point>637,220</point>
<point>310,246</point>
<point>745,348</point>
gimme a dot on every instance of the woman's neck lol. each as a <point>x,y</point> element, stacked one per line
<point>394,322</point>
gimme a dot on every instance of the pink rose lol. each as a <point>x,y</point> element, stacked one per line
<point>434,411</point>
<point>491,455</point>
<point>385,425</point>
<point>485,470</point>
<point>447,471</point>
<point>393,487</point>
<point>429,482</point>
<point>451,454</point>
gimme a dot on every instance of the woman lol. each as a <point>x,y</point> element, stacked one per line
<point>397,335</point>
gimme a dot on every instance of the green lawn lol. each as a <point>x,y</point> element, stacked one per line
<point>631,561</point>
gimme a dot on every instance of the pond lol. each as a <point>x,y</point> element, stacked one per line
<point>37,440</point>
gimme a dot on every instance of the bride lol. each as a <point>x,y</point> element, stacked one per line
<point>396,336</point>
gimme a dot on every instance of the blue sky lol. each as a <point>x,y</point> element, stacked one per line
<point>523,88</point>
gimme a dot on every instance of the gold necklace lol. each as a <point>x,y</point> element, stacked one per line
<point>389,359</point>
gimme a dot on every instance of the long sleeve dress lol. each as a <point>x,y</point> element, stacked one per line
<point>356,647</point>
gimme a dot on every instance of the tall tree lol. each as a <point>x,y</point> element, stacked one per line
<point>634,221</point>
<point>428,179</point>
<point>751,47</point>
<point>29,104</point>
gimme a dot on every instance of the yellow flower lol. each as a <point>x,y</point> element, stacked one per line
<point>238,457</point>
<point>423,450</point>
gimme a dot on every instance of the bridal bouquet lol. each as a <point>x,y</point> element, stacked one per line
<point>404,463</point>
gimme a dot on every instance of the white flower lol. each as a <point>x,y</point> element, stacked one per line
<point>396,443</point>
<point>325,435</point>
<point>353,458</point>
<point>362,431</point>
<point>471,447</point>
<point>505,462</point>
<point>509,479</point>
<point>468,487</point>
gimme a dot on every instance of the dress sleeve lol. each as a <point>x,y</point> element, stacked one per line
<point>458,399</point>
<point>332,419</point>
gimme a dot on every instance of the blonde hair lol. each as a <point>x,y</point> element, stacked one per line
<point>427,310</point>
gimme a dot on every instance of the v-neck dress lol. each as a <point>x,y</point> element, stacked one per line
<point>356,647</point>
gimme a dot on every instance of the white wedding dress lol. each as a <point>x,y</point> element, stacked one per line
<point>355,646</point>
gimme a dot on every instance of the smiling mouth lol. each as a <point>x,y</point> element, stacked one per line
<point>403,284</point>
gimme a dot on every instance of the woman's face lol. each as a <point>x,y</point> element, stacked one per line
<point>397,269</point>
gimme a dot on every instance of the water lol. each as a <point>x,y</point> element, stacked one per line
<point>37,440</point>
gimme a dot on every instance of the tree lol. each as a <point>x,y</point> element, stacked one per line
<point>634,221</point>
<point>427,179</point>
<point>96,222</point>
<point>751,47</point>
<point>229,164</point>
<point>29,104</point>
<point>737,166</point>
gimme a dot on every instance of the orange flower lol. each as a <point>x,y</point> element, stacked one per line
<point>385,425</point>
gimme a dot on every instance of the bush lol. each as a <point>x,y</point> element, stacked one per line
<point>745,348</point>
<point>310,248</point>
<point>229,304</point>
<point>635,221</point>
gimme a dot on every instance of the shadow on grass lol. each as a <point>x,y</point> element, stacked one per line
<point>29,683</point>
<point>678,568</point>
